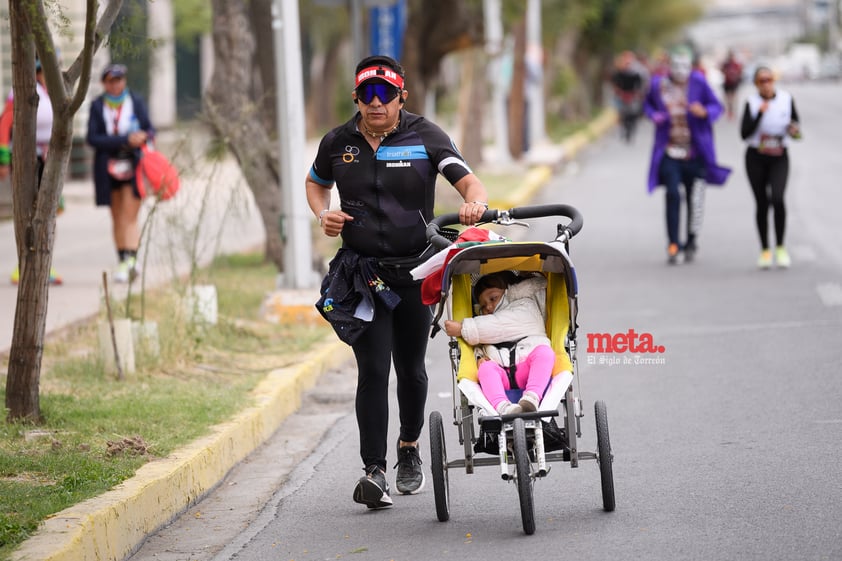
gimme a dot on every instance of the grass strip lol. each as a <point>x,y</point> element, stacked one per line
<point>99,430</point>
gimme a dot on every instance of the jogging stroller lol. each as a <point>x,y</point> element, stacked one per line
<point>521,444</point>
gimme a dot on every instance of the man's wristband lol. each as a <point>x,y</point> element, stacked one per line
<point>322,215</point>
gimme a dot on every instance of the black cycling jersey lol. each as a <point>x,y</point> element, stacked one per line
<point>390,192</point>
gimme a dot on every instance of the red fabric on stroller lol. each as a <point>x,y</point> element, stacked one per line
<point>431,285</point>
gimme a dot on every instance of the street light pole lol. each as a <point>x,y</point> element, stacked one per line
<point>535,73</point>
<point>833,28</point>
<point>494,50</point>
<point>357,29</point>
<point>295,215</point>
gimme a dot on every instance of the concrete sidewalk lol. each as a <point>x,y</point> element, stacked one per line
<point>113,525</point>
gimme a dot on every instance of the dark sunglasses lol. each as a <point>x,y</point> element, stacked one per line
<point>765,80</point>
<point>384,92</point>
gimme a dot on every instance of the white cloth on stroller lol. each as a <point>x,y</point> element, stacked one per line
<point>436,262</point>
<point>552,397</point>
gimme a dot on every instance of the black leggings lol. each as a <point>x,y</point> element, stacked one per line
<point>401,336</point>
<point>768,176</point>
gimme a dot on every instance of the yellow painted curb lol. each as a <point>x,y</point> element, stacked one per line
<point>535,178</point>
<point>111,526</point>
<point>595,129</point>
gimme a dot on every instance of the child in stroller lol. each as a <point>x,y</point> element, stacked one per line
<point>509,339</point>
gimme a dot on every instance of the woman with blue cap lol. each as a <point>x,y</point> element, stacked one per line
<point>118,126</point>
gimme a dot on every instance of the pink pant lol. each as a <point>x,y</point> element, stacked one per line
<point>533,374</point>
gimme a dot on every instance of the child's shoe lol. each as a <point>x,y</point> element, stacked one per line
<point>529,402</point>
<point>506,407</point>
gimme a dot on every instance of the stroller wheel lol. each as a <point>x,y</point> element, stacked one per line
<point>438,465</point>
<point>524,476</point>
<point>604,456</point>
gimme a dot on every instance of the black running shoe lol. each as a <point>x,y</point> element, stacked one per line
<point>689,252</point>
<point>410,477</point>
<point>372,490</point>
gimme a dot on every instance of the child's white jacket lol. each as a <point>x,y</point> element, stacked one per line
<point>518,317</point>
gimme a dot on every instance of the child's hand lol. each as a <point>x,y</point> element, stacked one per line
<point>453,328</point>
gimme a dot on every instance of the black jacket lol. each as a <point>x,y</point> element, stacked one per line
<point>348,293</point>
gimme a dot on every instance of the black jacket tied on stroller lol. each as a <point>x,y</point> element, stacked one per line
<point>348,294</point>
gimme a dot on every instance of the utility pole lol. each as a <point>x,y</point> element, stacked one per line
<point>833,28</point>
<point>295,217</point>
<point>804,9</point>
<point>357,30</point>
<point>494,50</point>
<point>534,73</point>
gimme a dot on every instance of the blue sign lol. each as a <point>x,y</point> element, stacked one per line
<point>387,27</point>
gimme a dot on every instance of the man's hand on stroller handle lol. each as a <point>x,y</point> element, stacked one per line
<point>471,212</point>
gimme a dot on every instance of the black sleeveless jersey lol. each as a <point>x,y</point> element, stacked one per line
<point>390,192</point>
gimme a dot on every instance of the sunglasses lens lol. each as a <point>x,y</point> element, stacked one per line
<point>384,92</point>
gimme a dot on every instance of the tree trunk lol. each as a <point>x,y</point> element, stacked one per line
<point>235,116</point>
<point>263,90</point>
<point>434,29</point>
<point>36,201</point>
<point>517,95</point>
<point>327,85</point>
<point>22,382</point>
<point>321,99</point>
<point>471,110</point>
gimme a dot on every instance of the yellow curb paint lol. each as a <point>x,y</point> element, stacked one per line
<point>112,526</point>
<point>535,178</point>
<point>291,307</point>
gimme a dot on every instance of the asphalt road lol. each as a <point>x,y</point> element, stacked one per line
<point>726,450</point>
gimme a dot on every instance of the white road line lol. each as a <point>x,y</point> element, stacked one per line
<point>830,293</point>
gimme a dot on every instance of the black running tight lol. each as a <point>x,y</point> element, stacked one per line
<point>767,176</point>
<point>400,336</point>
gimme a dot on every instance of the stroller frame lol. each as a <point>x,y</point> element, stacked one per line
<point>521,453</point>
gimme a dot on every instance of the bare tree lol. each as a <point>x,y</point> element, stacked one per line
<point>434,29</point>
<point>234,106</point>
<point>517,93</point>
<point>36,202</point>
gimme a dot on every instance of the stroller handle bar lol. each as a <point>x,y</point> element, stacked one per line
<point>497,216</point>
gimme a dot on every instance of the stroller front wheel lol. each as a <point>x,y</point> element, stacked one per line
<point>605,457</point>
<point>524,476</point>
<point>438,465</point>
